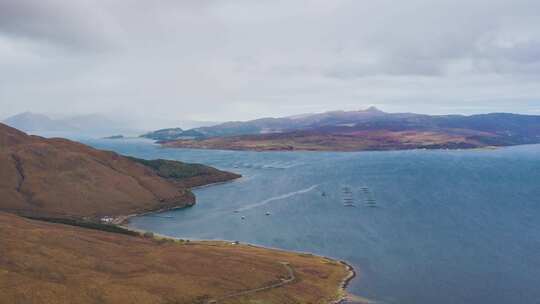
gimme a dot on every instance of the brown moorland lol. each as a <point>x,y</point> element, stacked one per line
<point>58,177</point>
<point>342,141</point>
<point>50,263</point>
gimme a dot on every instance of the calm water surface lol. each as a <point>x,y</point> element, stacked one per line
<point>426,226</point>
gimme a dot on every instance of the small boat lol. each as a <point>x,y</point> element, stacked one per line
<point>349,205</point>
<point>236,211</point>
<point>243,217</point>
<point>323,193</point>
<point>267,213</point>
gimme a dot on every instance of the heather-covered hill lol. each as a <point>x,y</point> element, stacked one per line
<point>58,177</point>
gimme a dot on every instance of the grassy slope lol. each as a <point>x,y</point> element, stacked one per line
<point>53,263</point>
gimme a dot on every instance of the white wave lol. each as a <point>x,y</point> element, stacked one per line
<point>280,165</point>
<point>276,198</point>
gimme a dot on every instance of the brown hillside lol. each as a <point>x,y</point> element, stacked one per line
<point>326,141</point>
<point>46,263</point>
<point>58,177</point>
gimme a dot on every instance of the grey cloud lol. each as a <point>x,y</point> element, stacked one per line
<point>427,37</point>
<point>217,59</point>
<point>521,58</point>
<point>55,23</point>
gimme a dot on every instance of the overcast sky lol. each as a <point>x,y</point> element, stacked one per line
<point>224,60</point>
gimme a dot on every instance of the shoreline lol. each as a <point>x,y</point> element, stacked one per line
<point>345,283</point>
<point>342,288</point>
<point>215,184</point>
<point>343,295</point>
<point>123,222</point>
<point>398,149</point>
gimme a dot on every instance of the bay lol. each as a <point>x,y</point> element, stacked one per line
<point>418,226</point>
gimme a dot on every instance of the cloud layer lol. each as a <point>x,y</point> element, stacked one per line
<point>220,60</point>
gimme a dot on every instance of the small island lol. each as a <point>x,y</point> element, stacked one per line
<point>114,137</point>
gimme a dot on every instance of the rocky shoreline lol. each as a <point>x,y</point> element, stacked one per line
<point>345,283</point>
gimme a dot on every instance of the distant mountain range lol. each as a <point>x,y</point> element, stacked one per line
<point>266,125</point>
<point>83,125</point>
<point>30,122</point>
<point>370,129</point>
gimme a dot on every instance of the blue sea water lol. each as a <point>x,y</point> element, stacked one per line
<point>426,226</point>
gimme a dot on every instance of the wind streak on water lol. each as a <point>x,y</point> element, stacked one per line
<point>276,198</point>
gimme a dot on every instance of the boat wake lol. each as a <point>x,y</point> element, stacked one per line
<point>276,198</point>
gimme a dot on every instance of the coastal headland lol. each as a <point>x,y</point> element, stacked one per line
<point>59,242</point>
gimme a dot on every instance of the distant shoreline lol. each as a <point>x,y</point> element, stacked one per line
<point>486,148</point>
<point>279,147</point>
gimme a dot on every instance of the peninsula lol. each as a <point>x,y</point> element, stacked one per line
<point>58,246</point>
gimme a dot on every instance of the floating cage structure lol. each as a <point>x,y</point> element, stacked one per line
<point>347,196</point>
